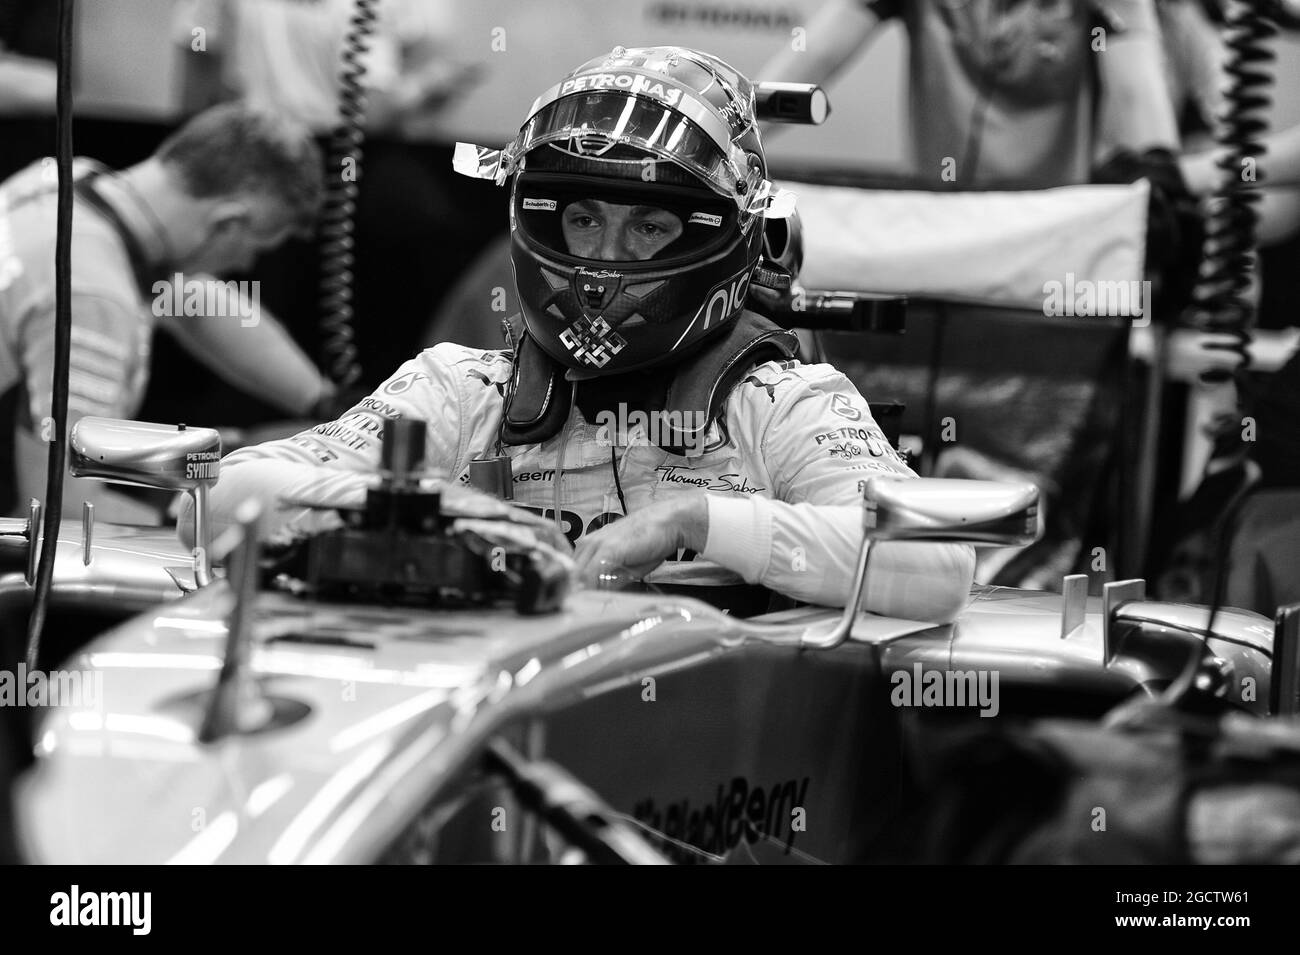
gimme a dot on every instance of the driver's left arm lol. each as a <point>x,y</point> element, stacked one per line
<point>819,443</point>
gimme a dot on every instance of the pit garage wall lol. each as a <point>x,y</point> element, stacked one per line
<point>865,129</point>
<point>134,66</point>
<point>542,39</point>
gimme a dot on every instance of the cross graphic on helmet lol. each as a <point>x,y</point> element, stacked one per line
<point>592,341</point>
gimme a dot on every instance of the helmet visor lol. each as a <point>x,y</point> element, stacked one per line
<point>589,125</point>
<point>586,220</point>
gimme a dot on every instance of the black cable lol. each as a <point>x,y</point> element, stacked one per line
<point>622,502</point>
<point>338,346</point>
<point>62,337</point>
<point>618,484</point>
<point>508,396</point>
<point>1222,300</point>
<point>1223,540</point>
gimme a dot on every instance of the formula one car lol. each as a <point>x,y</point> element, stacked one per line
<point>421,686</point>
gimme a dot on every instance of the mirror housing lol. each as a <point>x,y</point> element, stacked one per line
<point>951,510</point>
<point>170,457</point>
<point>164,456</point>
<point>987,513</point>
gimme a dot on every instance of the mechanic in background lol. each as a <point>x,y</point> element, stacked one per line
<point>643,406</point>
<point>286,55</point>
<point>146,241</point>
<point>1008,93</point>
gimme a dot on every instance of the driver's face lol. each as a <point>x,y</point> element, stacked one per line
<point>614,233</point>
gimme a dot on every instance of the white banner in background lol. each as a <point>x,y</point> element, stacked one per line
<point>990,248</point>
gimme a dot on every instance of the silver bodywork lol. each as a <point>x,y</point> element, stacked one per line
<point>394,705</point>
<point>231,725</point>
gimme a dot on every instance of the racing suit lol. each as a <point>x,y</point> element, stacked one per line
<point>783,476</point>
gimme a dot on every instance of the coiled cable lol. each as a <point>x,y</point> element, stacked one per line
<point>1221,300</point>
<point>338,336</point>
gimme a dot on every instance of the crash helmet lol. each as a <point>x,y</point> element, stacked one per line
<point>666,129</point>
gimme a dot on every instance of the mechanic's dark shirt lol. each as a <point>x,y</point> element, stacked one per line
<point>1004,91</point>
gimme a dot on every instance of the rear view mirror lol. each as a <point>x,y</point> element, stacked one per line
<point>990,513</point>
<point>164,456</point>
<point>171,457</point>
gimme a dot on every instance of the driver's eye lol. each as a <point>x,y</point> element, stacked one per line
<point>583,220</point>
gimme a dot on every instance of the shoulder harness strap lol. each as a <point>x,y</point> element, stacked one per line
<point>540,398</point>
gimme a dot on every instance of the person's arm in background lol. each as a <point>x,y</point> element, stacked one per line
<point>1134,112</point>
<point>251,350</point>
<point>411,69</point>
<point>203,77</point>
<point>1279,215</point>
<point>1278,208</point>
<point>1278,167</point>
<point>424,90</point>
<point>837,32</point>
<point>27,85</point>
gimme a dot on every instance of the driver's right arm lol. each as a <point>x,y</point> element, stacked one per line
<point>332,464</point>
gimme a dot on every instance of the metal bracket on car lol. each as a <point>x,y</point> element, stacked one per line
<point>1074,603</point>
<point>1284,676</point>
<point>87,531</point>
<point>28,531</point>
<point>1113,596</point>
<point>33,536</point>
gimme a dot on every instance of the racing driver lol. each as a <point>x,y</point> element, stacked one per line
<point>665,429</point>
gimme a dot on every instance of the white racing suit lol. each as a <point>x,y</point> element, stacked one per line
<point>783,477</point>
